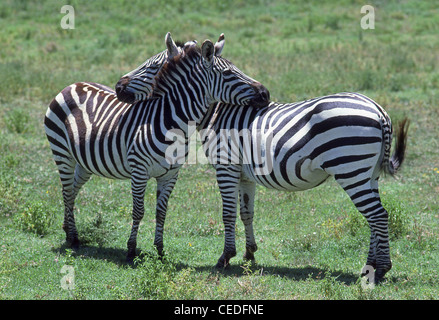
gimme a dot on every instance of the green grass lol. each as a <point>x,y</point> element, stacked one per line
<point>312,245</point>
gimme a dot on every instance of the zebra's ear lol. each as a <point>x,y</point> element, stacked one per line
<point>219,45</point>
<point>207,52</point>
<point>171,46</point>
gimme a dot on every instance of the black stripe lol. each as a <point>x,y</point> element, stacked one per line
<point>346,159</point>
<point>352,173</point>
<point>356,184</point>
<point>366,202</point>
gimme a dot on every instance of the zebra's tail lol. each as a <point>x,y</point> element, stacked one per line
<point>391,164</point>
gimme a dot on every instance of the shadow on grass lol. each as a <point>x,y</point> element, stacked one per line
<point>114,255</point>
<point>293,273</point>
<point>118,257</point>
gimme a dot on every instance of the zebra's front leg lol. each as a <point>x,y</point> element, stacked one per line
<point>228,181</point>
<point>139,181</point>
<point>247,200</point>
<point>165,185</point>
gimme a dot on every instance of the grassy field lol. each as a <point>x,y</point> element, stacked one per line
<point>312,245</point>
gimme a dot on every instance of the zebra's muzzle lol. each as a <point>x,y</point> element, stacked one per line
<point>122,93</point>
<point>262,98</point>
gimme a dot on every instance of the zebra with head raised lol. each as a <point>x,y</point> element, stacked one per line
<point>299,145</point>
<point>90,131</point>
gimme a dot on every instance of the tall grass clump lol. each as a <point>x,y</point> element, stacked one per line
<point>17,121</point>
<point>35,217</point>
<point>95,230</point>
<point>153,276</point>
<point>398,220</point>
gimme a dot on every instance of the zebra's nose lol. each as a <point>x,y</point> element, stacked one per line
<point>121,84</point>
<point>262,98</point>
<point>265,94</point>
<point>122,94</point>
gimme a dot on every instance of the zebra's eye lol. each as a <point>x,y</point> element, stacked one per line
<point>227,72</point>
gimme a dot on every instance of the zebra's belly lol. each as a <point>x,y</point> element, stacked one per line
<point>275,176</point>
<point>107,163</point>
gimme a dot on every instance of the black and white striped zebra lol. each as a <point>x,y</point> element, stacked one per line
<point>92,132</point>
<point>346,135</point>
<point>298,146</point>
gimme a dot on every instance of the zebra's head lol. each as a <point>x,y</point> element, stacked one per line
<point>137,85</point>
<point>224,80</point>
<point>228,84</point>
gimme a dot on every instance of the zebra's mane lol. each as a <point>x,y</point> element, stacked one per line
<point>188,53</point>
<point>179,44</point>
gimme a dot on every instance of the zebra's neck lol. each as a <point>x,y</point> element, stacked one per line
<point>182,94</point>
<point>158,117</point>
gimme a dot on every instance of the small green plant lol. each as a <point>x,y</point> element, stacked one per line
<point>355,223</point>
<point>36,218</point>
<point>333,228</point>
<point>249,268</point>
<point>69,257</point>
<point>94,231</point>
<point>153,276</point>
<point>10,195</point>
<point>17,121</point>
<point>398,221</point>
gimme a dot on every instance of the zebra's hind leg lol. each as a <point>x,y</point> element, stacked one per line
<point>165,185</point>
<point>139,181</point>
<point>81,177</point>
<point>364,194</point>
<point>72,181</point>
<point>67,176</point>
<point>247,200</point>
<point>66,168</point>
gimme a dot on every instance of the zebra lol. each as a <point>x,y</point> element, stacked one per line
<point>90,131</point>
<point>300,145</point>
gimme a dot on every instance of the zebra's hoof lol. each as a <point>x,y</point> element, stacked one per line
<point>222,263</point>
<point>130,256</point>
<point>379,274</point>
<point>160,251</point>
<point>249,252</point>
<point>129,261</point>
<point>73,244</point>
<point>249,256</point>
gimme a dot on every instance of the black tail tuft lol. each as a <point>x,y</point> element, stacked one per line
<point>398,156</point>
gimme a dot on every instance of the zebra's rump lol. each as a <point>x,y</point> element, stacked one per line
<point>83,123</point>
